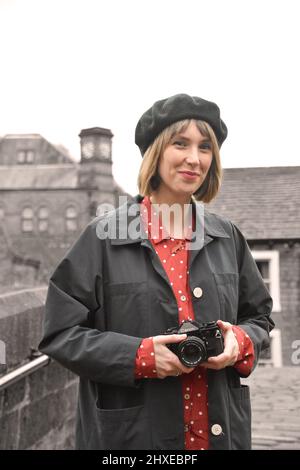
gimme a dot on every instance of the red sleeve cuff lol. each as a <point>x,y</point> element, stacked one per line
<point>245,360</point>
<point>145,360</point>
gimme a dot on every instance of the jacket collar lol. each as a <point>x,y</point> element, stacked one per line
<point>129,213</point>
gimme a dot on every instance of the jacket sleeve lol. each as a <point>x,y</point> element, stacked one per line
<point>75,296</point>
<point>255,303</point>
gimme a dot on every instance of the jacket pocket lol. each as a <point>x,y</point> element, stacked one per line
<point>240,418</point>
<point>127,308</point>
<point>228,292</point>
<point>124,429</point>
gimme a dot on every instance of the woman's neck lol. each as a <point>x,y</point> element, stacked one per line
<point>169,199</point>
<point>177,220</point>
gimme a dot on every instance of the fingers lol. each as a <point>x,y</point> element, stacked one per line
<point>230,354</point>
<point>181,368</point>
<point>168,339</point>
<point>224,326</point>
<point>174,372</point>
<point>167,363</point>
<point>221,361</point>
<point>173,367</point>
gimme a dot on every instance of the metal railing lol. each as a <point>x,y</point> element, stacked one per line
<point>22,371</point>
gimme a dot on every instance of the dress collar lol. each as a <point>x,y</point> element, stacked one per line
<point>155,230</point>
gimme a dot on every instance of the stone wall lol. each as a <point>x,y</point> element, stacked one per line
<point>38,412</point>
<point>44,249</point>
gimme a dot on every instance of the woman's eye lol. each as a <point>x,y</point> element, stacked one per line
<point>179,142</point>
<point>206,146</point>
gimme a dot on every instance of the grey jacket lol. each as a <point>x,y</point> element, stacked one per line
<point>106,295</point>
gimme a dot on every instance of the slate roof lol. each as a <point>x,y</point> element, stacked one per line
<point>264,202</point>
<point>56,176</point>
<point>23,137</point>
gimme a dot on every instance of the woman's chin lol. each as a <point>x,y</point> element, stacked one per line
<point>185,193</point>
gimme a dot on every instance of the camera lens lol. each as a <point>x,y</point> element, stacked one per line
<point>192,351</point>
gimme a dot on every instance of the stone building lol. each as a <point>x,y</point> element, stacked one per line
<point>265,204</point>
<point>46,198</point>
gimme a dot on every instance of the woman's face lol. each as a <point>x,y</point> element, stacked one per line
<point>185,162</point>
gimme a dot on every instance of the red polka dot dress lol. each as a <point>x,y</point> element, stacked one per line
<point>173,254</point>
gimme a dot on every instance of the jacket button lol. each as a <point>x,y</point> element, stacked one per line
<point>198,292</point>
<point>186,427</point>
<point>187,396</point>
<point>216,429</point>
<point>183,298</point>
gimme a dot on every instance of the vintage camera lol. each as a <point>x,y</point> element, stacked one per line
<point>203,341</point>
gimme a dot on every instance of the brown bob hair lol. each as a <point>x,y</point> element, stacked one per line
<point>149,179</point>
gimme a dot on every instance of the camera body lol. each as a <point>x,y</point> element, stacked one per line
<point>203,341</point>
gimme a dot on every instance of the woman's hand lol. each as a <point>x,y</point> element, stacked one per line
<point>231,349</point>
<point>167,363</point>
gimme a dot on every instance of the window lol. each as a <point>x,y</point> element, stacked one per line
<point>43,219</point>
<point>27,219</point>
<point>71,219</point>
<point>264,269</point>
<point>26,156</point>
<point>21,156</point>
<point>30,156</point>
<point>268,265</point>
<point>273,355</point>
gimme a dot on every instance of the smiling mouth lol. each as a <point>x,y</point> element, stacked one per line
<point>190,173</point>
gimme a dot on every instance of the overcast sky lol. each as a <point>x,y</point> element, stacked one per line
<point>72,64</point>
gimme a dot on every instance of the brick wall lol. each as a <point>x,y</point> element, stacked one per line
<point>38,412</point>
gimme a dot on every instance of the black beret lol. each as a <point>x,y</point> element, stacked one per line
<point>176,108</point>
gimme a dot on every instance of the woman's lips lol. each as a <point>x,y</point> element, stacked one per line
<point>190,175</point>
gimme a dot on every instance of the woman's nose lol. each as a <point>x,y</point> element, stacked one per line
<point>193,156</point>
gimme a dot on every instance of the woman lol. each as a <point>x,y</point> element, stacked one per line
<point>113,297</point>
